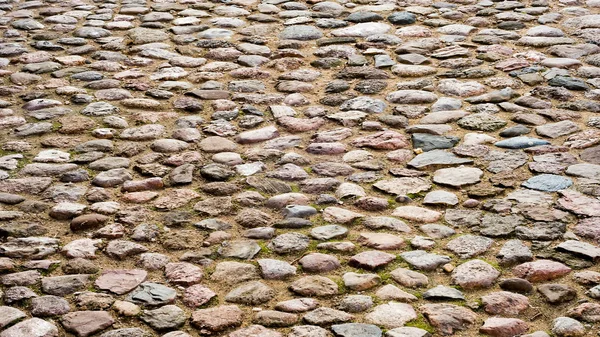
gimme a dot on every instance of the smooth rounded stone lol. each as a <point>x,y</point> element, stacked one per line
<point>276,269</point>
<point>409,278</point>
<point>503,327</point>
<point>342,247</point>
<point>423,260</point>
<point>427,142</point>
<point>301,32</point>
<point>587,228</point>
<point>364,29</point>
<point>228,158</point>
<point>411,96</point>
<point>587,312</point>
<point>514,252</point>
<point>340,215</point>
<point>355,303</point>
<point>286,199</point>
<point>391,315</point>
<point>27,24</point>
<point>42,169</point>
<point>381,241</point>
<point>548,183</point>
<point>168,145</point>
<point>360,282</point>
<point>406,331</point>
<point>164,318</point>
<point>475,274</point>
<point>440,197</point>
<point>447,105</point>
<point>255,331</point>
<point>80,266</point>
<point>412,71</point>
<point>319,286</point>
<point>458,176</point>
<point>448,318</point>
<point>504,303</point>
<point>590,171</point>
<point>356,330</point>
<point>230,272</point>
<point>121,249</point>
<point>458,88</point>
<point>541,270</point>
<point>10,315</point>
<point>326,316</point>
<point>308,331</point>
<point>64,285</point>
<point>86,323</point>
<point>371,260</point>
<point>370,86</point>
<point>297,305</point>
<point>18,293</point>
<point>319,263</point>
<point>215,34</point>
<point>514,131</point>
<point>145,35</point>
<point>365,104</point>
<point>437,231</point>
<point>568,83</point>
<point>272,318</point>
<point>289,243</point>
<point>442,292</point>
<point>557,293</point>
<point>401,18</point>
<point>372,204</point>
<point>468,246</point>
<point>346,190</point>
<point>567,327</point>
<point>82,248</point>
<point>555,130</point>
<point>516,285</point>
<point>417,214</point>
<point>577,203</point>
<point>24,278</point>
<point>520,142</point>
<point>216,144</point>
<point>587,277</point>
<point>328,232</point>
<point>403,186</point>
<point>363,16</point>
<point>112,178</point>
<point>384,140</point>
<point>248,218</point>
<point>33,327</point>
<point>131,332</point>
<point>217,319</point>
<point>240,249</point>
<point>289,172</point>
<point>390,292</point>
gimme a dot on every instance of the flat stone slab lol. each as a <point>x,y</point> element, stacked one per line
<point>120,281</point>
<point>437,158</point>
<point>457,177</point>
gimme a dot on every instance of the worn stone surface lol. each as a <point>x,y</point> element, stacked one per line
<point>299,168</point>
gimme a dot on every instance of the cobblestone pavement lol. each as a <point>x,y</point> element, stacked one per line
<point>271,168</point>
